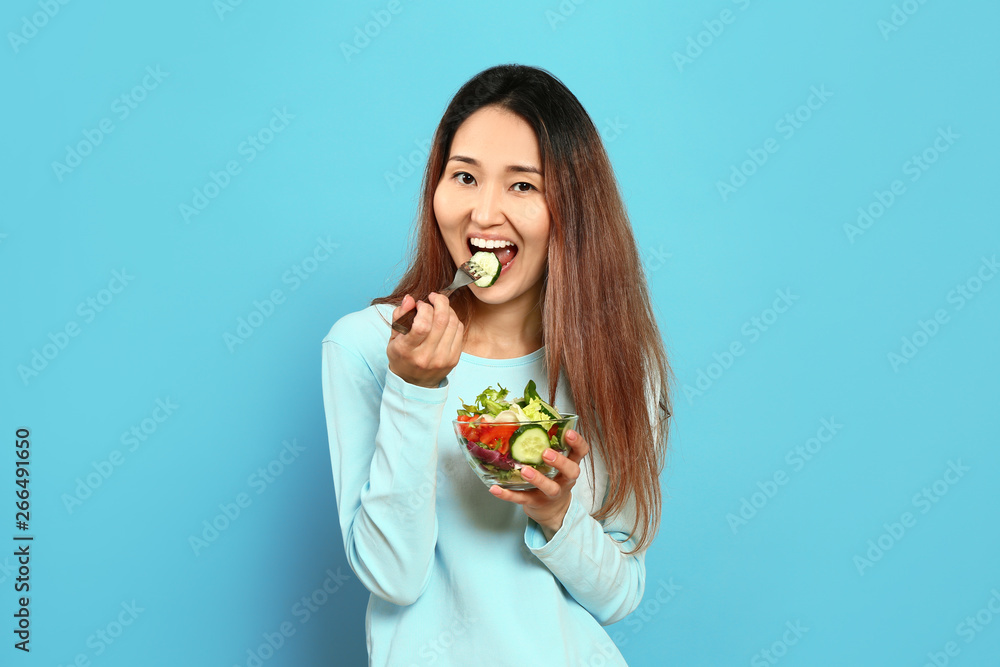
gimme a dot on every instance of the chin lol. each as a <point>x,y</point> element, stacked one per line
<point>488,296</point>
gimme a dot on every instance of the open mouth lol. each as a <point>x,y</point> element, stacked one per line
<point>505,254</point>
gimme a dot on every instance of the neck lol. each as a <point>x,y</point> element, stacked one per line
<point>505,330</point>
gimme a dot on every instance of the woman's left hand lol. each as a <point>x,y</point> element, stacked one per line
<point>547,504</point>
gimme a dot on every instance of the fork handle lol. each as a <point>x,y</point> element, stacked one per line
<point>405,321</point>
<point>403,324</point>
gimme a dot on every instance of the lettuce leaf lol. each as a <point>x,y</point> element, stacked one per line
<point>492,401</point>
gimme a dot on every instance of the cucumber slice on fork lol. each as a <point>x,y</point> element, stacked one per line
<point>488,265</point>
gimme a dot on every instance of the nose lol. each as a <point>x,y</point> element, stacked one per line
<point>487,209</point>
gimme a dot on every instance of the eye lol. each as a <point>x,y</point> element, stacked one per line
<point>532,187</point>
<point>460,174</point>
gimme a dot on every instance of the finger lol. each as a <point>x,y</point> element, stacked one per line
<point>577,444</point>
<point>405,306</point>
<point>549,487</point>
<point>451,334</point>
<point>517,497</point>
<point>421,326</point>
<point>566,466</point>
<point>458,342</point>
<point>439,319</point>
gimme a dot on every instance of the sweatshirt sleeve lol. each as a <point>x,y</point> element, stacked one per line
<point>383,448</point>
<point>588,556</point>
<point>591,565</point>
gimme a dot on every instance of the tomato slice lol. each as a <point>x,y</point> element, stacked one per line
<point>472,430</point>
<point>503,431</point>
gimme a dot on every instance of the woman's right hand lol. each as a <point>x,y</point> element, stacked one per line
<point>426,354</point>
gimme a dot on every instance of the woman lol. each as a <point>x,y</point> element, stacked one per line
<point>458,576</point>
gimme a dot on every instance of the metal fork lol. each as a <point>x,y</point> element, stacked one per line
<point>467,273</point>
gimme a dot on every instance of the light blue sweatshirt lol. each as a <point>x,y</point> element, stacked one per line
<point>457,576</point>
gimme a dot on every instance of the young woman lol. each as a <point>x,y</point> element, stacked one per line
<point>461,574</point>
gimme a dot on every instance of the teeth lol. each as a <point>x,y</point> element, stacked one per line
<point>489,244</point>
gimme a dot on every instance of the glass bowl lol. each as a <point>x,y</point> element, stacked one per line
<point>494,463</point>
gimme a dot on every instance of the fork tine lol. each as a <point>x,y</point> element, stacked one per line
<point>472,269</point>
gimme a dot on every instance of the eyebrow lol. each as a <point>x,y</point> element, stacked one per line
<point>519,168</point>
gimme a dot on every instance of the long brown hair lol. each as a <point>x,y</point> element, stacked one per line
<point>598,323</point>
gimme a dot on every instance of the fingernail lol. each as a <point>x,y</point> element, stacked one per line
<point>549,455</point>
<point>495,490</point>
<point>527,473</point>
<point>571,434</point>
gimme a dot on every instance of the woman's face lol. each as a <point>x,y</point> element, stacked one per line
<point>492,193</point>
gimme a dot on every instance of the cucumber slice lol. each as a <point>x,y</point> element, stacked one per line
<point>489,265</point>
<point>528,443</point>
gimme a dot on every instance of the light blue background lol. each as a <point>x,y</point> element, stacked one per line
<point>712,264</point>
